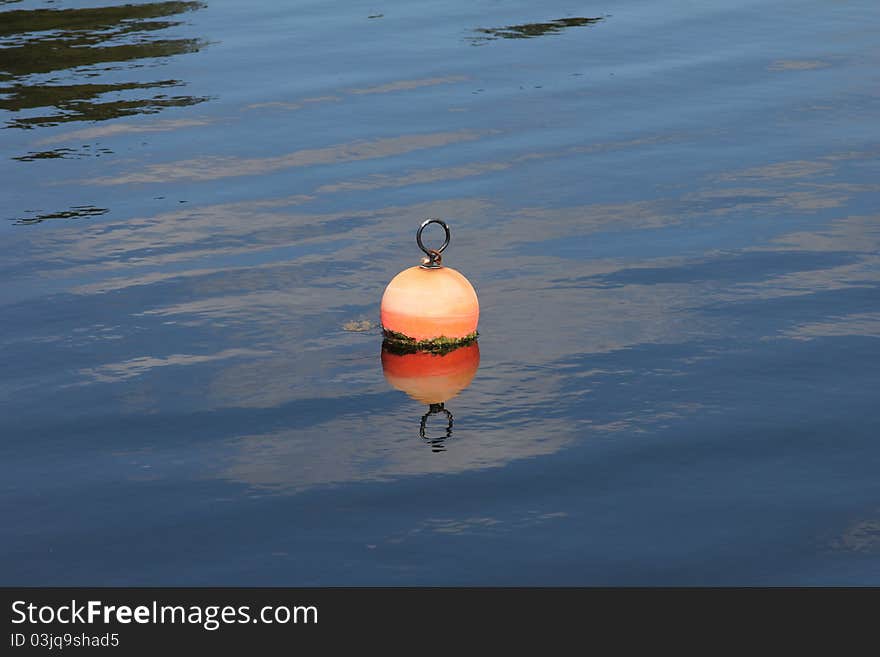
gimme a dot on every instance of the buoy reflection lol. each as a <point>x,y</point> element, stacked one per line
<point>433,379</point>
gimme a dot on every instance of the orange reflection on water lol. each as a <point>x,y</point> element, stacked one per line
<point>432,378</point>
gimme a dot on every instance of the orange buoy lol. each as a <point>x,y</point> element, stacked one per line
<point>432,378</point>
<point>430,302</point>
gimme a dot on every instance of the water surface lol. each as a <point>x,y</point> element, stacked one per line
<point>669,211</point>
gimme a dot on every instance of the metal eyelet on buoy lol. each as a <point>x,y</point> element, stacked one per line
<point>432,257</point>
<point>430,305</point>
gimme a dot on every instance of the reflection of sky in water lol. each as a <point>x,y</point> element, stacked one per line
<point>676,251</point>
<point>85,48</point>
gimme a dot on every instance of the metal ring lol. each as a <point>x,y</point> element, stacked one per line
<point>419,237</point>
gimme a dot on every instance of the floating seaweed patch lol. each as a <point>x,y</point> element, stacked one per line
<point>76,212</point>
<point>531,30</point>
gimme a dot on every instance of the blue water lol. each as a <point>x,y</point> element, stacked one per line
<point>670,215</point>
